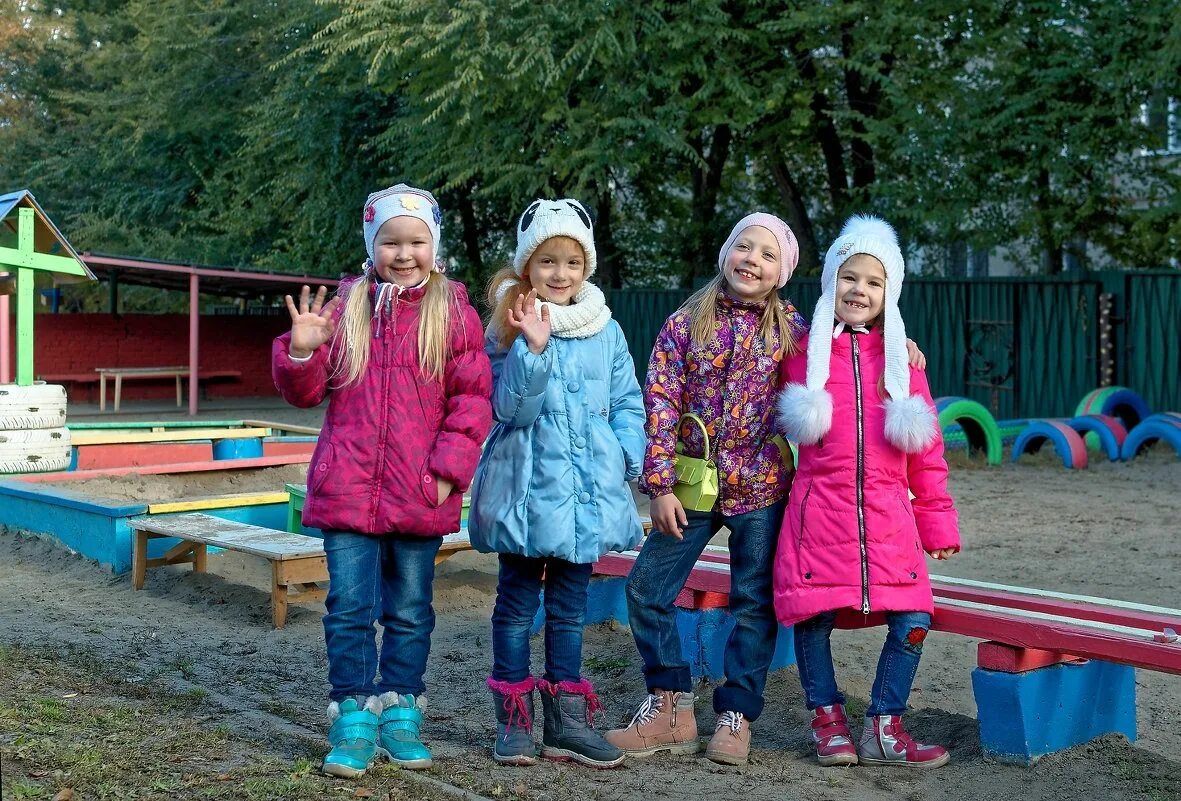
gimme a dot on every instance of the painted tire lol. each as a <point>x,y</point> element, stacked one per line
<point>1149,432</point>
<point>35,451</point>
<point>1067,442</point>
<point>980,430</point>
<point>1108,431</point>
<point>1119,402</point>
<point>40,405</point>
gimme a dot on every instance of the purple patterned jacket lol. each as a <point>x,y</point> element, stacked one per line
<point>731,383</point>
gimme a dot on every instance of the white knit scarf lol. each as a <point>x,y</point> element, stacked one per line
<point>586,315</point>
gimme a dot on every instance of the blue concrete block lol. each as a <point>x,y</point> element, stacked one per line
<point>249,448</point>
<point>1024,716</point>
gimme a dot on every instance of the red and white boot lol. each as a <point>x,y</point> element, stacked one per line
<point>886,742</point>
<point>831,735</point>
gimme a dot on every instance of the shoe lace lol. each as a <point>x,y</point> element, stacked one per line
<point>732,720</point>
<point>648,710</point>
<point>514,705</point>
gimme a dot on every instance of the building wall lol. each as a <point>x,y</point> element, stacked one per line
<point>75,344</point>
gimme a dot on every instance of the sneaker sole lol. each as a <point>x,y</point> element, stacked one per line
<point>900,763</point>
<point>726,759</point>
<point>566,755</point>
<point>345,772</point>
<point>839,760</point>
<point>518,761</point>
<point>412,764</point>
<point>679,749</point>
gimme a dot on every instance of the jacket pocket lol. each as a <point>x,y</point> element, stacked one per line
<point>429,485</point>
<point>319,474</point>
<point>805,568</point>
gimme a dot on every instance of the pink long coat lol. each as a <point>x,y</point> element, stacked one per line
<point>387,439</point>
<point>823,563</point>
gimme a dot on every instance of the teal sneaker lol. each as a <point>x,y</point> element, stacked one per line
<point>353,736</point>
<point>401,731</point>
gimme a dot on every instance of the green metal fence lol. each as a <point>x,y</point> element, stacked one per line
<point>1024,347</point>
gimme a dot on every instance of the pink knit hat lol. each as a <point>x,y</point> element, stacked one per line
<point>789,249</point>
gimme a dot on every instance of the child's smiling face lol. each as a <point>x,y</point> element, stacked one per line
<point>402,251</point>
<point>752,264</point>
<point>557,269</point>
<point>861,290</point>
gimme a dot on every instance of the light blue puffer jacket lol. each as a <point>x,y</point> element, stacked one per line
<point>568,436</point>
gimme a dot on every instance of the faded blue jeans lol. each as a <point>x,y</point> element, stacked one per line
<point>387,578</point>
<point>897,665</point>
<point>518,596</point>
<point>659,574</point>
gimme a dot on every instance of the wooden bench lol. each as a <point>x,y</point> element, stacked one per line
<point>451,545</point>
<point>133,373</point>
<point>297,561</point>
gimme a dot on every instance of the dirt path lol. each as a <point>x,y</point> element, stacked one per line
<point>1109,531</point>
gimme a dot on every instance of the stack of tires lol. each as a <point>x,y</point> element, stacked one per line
<point>33,436</point>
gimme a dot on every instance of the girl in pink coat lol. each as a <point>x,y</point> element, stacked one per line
<point>852,541</point>
<point>399,354</point>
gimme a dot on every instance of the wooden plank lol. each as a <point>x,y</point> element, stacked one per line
<point>110,438</point>
<point>1012,628</point>
<point>1058,596</point>
<point>304,571</point>
<point>180,467</point>
<point>233,499</point>
<point>265,542</point>
<point>283,428</point>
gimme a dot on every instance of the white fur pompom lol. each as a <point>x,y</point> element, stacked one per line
<point>869,226</point>
<point>910,423</point>
<point>805,414</point>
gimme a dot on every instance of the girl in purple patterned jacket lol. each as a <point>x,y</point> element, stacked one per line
<point>718,357</point>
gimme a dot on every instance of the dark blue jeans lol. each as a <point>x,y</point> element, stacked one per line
<point>388,578</point>
<point>518,596</point>
<point>659,574</point>
<point>896,666</point>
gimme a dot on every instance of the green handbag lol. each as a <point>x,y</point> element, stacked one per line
<point>697,479</point>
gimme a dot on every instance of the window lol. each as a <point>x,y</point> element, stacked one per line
<point>1161,116</point>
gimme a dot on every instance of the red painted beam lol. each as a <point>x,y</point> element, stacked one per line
<point>1056,606</point>
<point>184,467</point>
<point>1058,636</point>
<point>138,454</point>
<point>1011,659</point>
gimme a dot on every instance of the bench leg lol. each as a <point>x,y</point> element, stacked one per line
<point>118,390</point>
<point>1024,716</point>
<point>102,392</point>
<point>178,395</point>
<point>199,557</point>
<point>278,595</point>
<point>139,560</point>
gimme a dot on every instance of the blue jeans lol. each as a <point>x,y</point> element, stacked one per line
<point>518,596</point>
<point>896,666</point>
<point>658,576</point>
<point>388,578</point>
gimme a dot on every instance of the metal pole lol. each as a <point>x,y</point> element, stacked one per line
<point>194,343</point>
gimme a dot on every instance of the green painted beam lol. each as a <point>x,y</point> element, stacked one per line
<point>18,257</point>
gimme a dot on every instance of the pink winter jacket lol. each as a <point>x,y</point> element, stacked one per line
<point>387,438</point>
<point>823,563</point>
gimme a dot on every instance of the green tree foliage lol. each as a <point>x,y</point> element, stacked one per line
<point>249,132</point>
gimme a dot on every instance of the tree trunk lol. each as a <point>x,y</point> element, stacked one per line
<point>471,230</point>
<point>1052,254</point>
<point>797,214</point>
<point>609,272</point>
<point>826,133</point>
<point>707,183</point>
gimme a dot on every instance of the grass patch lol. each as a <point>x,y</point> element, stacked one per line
<point>62,725</point>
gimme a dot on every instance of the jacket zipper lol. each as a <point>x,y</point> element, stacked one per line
<point>803,512</point>
<point>860,475</point>
<point>391,329</point>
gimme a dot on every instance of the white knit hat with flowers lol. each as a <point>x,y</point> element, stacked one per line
<point>401,200</point>
<point>805,411</point>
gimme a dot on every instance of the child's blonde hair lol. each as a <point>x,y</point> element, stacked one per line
<point>702,308</point>
<point>355,329</point>
<point>500,304</point>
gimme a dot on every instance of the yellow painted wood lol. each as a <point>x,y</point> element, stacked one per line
<point>100,437</point>
<point>286,428</point>
<point>218,502</point>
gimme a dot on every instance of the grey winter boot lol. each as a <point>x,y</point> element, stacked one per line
<point>514,721</point>
<point>568,733</point>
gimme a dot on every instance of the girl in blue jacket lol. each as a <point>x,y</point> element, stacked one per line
<point>550,494</point>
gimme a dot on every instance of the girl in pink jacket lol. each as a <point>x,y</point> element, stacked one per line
<point>851,544</point>
<point>399,354</point>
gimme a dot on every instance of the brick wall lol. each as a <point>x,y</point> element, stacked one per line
<point>78,343</point>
